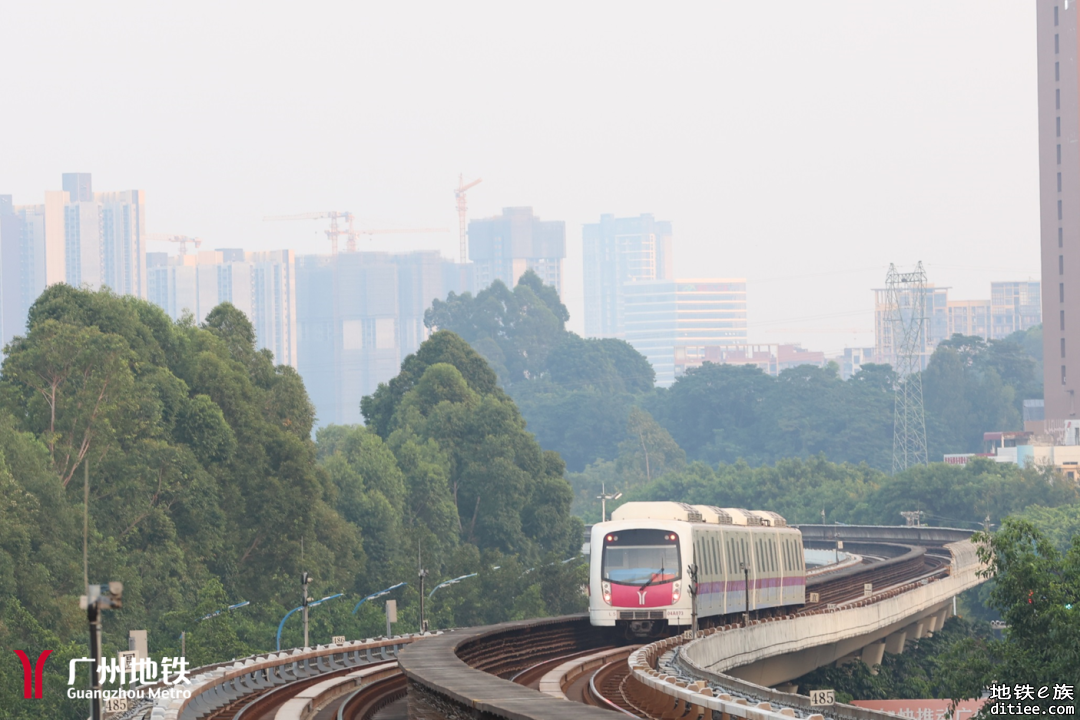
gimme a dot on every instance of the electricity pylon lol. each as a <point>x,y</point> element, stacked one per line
<point>907,321</point>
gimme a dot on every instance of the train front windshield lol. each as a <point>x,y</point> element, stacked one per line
<point>636,557</point>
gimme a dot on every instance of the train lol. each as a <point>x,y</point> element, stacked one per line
<point>639,573</point>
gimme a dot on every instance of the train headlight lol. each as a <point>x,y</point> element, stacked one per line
<point>605,589</point>
<point>676,591</point>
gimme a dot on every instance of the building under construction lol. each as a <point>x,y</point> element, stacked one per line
<point>359,315</point>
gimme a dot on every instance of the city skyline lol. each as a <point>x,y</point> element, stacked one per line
<point>798,198</point>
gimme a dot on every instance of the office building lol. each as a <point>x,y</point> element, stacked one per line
<point>262,285</point>
<point>1059,203</point>
<point>504,247</point>
<point>662,316</point>
<point>618,251</point>
<point>359,315</point>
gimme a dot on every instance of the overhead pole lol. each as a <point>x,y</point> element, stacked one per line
<point>908,325</point>
<point>459,193</point>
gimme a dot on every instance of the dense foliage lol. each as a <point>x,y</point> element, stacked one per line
<point>206,489</point>
<point>575,393</point>
<point>948,495</point>
<point>1036,588</point>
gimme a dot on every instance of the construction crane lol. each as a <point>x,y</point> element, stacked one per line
<point>333,215</point>
<point>352,234</point>
<point>183,240</point>
<point>459,193</point>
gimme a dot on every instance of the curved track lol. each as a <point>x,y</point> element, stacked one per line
<point>361,704</point>
<point>526,652</point>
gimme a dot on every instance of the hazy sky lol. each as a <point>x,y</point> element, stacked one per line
<point>803,145</point>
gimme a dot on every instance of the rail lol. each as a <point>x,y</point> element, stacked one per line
<point>274,676</point>
<point>670,672</point>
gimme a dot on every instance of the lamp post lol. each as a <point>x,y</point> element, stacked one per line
<point>379,594</point>
<point>98,598</point>
<point>305,608</point>
<point>305,579</point>
<point>183,633</point>
<point>603,497</point>
<point>455,581</point>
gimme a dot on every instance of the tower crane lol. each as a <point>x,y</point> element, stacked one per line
<point>333,215</point>
<point>459,193</point>
<point>353,233</point>
<point>183,240</point>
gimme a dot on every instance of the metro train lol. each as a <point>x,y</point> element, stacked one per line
<point>638,574</point>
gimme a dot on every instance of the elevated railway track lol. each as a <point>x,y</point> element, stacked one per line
<point>550,668</point>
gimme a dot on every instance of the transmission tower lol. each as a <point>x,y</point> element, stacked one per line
<point>907,322</point>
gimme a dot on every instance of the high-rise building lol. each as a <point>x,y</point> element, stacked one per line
<point>424,276</point>
<point>11,230</point>
<point>262,285</point>
<point>969,317</point>
<point>665,318</point>
<point>935,330</point>
<point>78,186</point>
<point>505,246</point>
<point>359,315</point>
<point>76,236</point>
<point>29,234</point>
<point>1014,306</point>
<point>618,251</point>
<point>1059,203</point>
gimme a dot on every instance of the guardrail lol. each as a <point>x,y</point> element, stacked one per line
<point>215,686</point>
<point>733,646</point>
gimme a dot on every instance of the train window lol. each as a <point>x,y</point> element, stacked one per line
<point>719,556</point>
<point>784,555</point>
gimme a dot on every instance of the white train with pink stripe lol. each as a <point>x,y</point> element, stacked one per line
<point>640,564</point>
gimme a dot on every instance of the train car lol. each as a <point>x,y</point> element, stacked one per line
<point>640,560</point>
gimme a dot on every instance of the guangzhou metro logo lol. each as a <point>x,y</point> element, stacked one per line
<point>32,678</point>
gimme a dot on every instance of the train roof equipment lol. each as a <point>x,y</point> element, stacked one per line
<point>710,514</point>
<point>657,511</point>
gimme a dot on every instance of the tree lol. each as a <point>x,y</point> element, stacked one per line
<point>648,452</point>
<point>76,388</point>
<point>514,330</point>
<point>1035,589</point>
<point>442,347</point>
